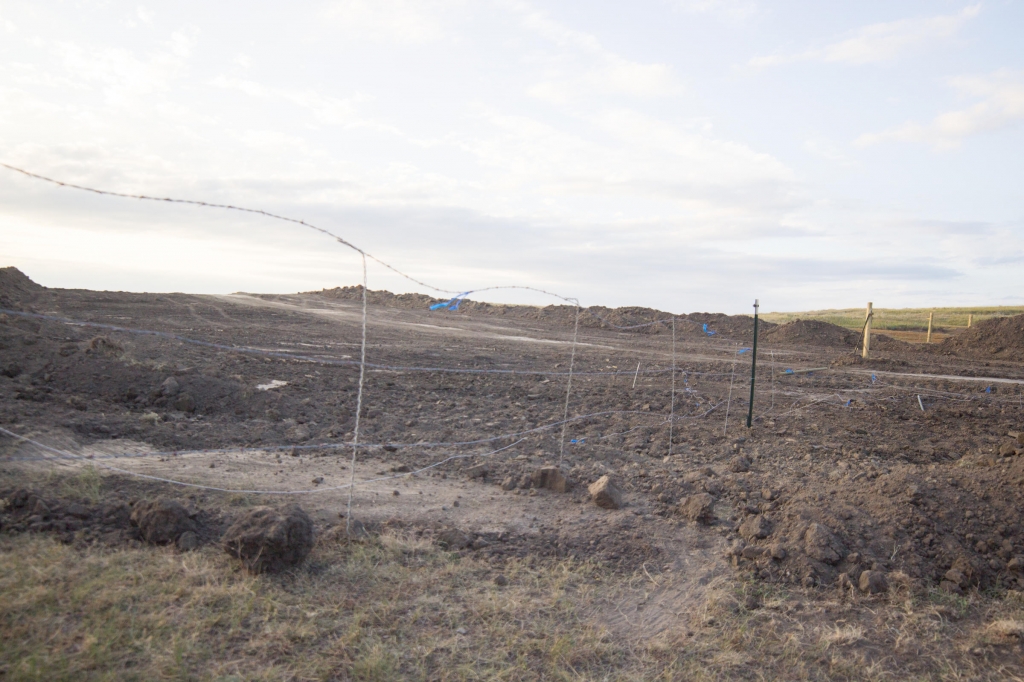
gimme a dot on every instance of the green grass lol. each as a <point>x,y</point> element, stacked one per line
<point>84,485</point>
<point>899,319</point>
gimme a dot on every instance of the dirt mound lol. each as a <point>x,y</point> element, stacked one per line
<point>110,522</point>
<point>812,333</point>
<point>897,521</point>
<point>888,343</point>
<point>1002,337</point>
<point>161,521</point>
<point>633,319</point>
<point>16,287</point>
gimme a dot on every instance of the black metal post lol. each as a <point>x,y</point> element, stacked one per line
<point>753,369</point>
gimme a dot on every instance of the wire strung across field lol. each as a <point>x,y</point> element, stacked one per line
<point>59,454</point>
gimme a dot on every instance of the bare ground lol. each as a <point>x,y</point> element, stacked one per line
<point>843,473</point>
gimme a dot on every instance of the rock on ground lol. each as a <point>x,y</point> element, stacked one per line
<point>161,521</point>
<point>605,493</point>
<point>270,540</point>
<point>552,478</point>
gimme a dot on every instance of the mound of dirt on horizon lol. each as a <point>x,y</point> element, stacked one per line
<point>633,319</point>
<point>888,343</point>
<point>1002,337</point>
<point>15,287</point>
<point>812,333</point>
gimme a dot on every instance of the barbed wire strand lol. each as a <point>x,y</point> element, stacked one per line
<point>522,435</point>
<point>64,454</point>
<point>728,404</point>
<point>248,350</point>
<point>672,399</point>
<point>359,408</point>
<point>568,386</point>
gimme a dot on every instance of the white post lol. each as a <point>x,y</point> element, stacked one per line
<point>930,316</point>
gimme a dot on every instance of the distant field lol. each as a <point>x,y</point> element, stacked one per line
<point>901,319</point>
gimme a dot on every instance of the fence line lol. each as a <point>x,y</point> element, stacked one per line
<point>327,361</point>
<point>364,366</point>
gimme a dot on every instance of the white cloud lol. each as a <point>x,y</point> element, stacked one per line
<point>393,21</point>
<point>120,71</point>
<point>826,149</point>
<point>145,15</point>
<point>880,42</point>
<point>1001,106</point>
<point>585,67</point>
<point>326,110</point>
<point>733,9</point>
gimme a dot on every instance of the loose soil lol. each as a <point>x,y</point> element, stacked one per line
<point>850,465</point>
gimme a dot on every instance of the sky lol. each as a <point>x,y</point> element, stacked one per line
<point>688,155</point>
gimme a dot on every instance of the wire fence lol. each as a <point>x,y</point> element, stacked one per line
<point>693,404</point>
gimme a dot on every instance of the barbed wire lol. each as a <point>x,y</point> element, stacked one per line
<point>50,451</point>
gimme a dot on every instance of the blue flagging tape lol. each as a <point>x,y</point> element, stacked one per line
<point>743,350</point>
<point>849,401</point>
<point>789,371</point>
<point>579,441</point>
<point>452,304</point>
<point>708,331</point>
<point>988,389</point>
<point>873,378</point>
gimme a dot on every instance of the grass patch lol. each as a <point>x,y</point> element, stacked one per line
<point>392,608</point>
<point>385,609</point>
<point>85,484</point>
<point>899,319</point>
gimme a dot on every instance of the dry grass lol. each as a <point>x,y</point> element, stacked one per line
<point>398,608</point>
<point>385,609</point>
<point>907,319</point>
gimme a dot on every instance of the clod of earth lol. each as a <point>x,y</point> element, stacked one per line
<point>161,521</point>
<point>873,582</point>
<point>821,544</point>
<point>739,464</point>
<point>187,541</point>
<point>755,527</point>
<point>605,493</point>
<point>270,540</point>
<point>698,508</point>
<point>452,538</point>
<point>170,387</point>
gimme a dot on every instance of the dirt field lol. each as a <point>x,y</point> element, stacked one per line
<point>867,526</point>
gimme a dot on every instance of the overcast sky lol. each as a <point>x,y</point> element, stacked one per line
<point>681,154</point>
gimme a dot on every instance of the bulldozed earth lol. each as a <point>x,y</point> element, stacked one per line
<point>867,525</point>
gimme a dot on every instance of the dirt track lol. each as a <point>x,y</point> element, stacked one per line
<point>843,469</point>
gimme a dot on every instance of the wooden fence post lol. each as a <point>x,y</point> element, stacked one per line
<point>867,331</point>
<point>930,316</point>
<point>970,317</point>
